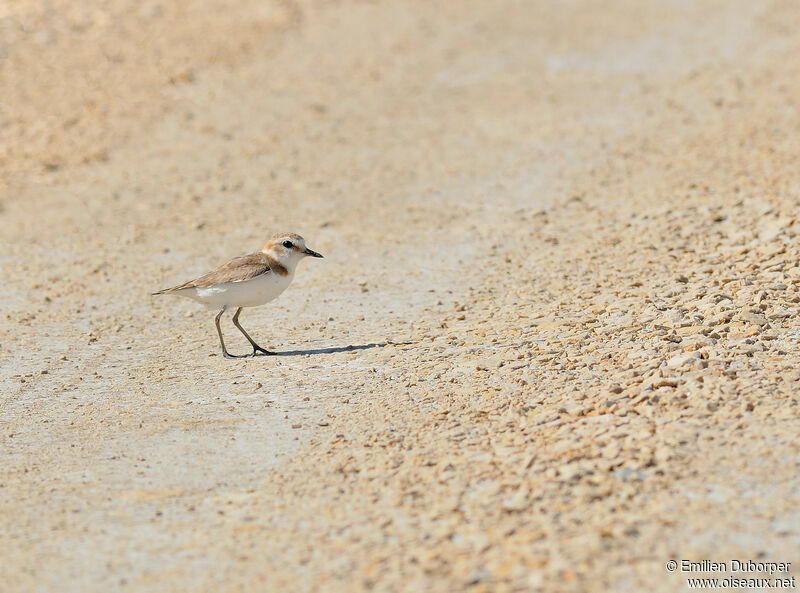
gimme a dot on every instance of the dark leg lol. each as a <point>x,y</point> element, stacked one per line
<point>256,348</point>
<point>221,341</point>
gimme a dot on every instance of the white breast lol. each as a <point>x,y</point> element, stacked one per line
<point>250,293</point>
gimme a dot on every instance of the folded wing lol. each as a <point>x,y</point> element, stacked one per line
<point>239,269</point>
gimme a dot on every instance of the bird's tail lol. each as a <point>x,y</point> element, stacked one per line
<point>172,289</point>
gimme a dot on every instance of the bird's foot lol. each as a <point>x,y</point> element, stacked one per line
<point>259,351</point>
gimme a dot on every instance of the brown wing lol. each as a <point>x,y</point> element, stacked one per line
<point>238,269</point>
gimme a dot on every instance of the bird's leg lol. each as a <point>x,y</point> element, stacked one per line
<point>256,348</point>
<point>221,341</point>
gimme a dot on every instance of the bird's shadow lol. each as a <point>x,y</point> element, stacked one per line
<point>335,349</point>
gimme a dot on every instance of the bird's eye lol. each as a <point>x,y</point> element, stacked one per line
<point>288,244</point>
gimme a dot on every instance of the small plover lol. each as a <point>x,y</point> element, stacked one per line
<point>247,281</point>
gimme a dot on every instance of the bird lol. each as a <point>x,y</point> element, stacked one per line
<point>247,281</point>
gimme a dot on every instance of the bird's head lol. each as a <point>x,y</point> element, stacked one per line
<point>288,249</point>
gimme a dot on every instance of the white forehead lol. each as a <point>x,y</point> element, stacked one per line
<point>295,239</point>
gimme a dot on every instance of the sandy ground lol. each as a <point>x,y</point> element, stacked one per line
<point>552,346</point>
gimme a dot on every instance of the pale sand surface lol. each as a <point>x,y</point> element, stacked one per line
<point>563,235</point>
